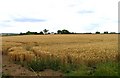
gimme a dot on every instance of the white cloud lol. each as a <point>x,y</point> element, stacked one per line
<point>74,15</point>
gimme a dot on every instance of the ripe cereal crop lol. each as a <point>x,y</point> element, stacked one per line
<point>69,49</point>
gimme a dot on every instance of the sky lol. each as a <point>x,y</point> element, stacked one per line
<point>74,15</point>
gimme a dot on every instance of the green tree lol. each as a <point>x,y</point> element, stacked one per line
<point>97,32</point>
<point>59,32</point>
<point>112,32</point>
<point>106,32</point>
<point>64,31</point>
<point>41,32</point>
<point>28,32</point>
<point>45,31</point>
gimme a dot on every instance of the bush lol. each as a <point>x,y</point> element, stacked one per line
<point>106,69</point>
<point>67,68</point>
<point>37,64</point>
<point>101,69</point>
<point>40,64</point>
<point>97,32</point>
<point>53,63</point>
<point>5,75</point>
<point>81,71</point>
<point>70,69</point>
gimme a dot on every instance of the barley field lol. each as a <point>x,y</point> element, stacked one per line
<point>62,52</point>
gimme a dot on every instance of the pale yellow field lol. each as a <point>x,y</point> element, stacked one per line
<point>86,48</point>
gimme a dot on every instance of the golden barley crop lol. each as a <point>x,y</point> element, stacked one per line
<point>16,49</point>
<point>89,49</point>
<point>21,55</point>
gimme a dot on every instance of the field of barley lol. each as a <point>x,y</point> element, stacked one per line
<point>64,53</point>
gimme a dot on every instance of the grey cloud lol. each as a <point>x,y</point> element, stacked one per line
<point>4,25</point>
<point>7,21</point>
<point>26,19</point>
<point>85,11</point>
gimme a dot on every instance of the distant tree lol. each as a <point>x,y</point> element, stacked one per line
<point>52,33</point>
<point>64,31</point>
<point>28,32</point>
<point>41,32</point>
<point>35,33</point>
<point>97,32</point>
<point>49,33</point>
<point>72,33</point>
<point>21,33</point>
<point>45,31</point>
<point>112,32</point>
<point>59,32</point>
<point>87,33</point>
<point>106,32</point>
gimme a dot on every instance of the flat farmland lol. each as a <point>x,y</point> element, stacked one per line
<point>73,54</point>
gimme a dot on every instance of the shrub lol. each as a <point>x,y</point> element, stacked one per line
<point>40,64</point>
<point>81,71</point>
<point>106,69</point>
<point>67,67</point>
<point>97,32</point>
<point>37,64</point>
<point>101,69</point>
<point>53,63</point>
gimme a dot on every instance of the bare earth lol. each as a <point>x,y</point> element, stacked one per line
<point>12,69</point>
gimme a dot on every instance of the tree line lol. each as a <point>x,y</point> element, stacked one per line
<point>64,31</point>
<point>45,31</point>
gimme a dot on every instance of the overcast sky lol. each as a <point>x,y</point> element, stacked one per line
<point>74,15</point>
